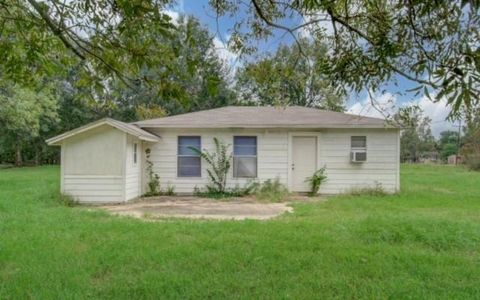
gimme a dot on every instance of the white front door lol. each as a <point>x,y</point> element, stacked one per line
<point>304,161</point>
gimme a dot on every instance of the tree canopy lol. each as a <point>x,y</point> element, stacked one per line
<point>286,78</point>
<point>434,44</point>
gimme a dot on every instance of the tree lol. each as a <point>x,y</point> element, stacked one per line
<point>24,115</point>
<point>104,37</point>
<point>289,79</point>
<point>416,140</point>
<point>193,77</point>
<point>448,144</point>
<point>431,43</point>
<point>471,141</point>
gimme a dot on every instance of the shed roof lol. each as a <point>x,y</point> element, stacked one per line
<point>265,117</point>
<point>125,127</point>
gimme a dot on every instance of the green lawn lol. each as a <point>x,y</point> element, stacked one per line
<point>422,243</point>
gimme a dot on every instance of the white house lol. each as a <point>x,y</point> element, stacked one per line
<point>105,161</point>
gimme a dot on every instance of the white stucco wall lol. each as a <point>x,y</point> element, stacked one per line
<point>274,157</point>
<point>93,165</point>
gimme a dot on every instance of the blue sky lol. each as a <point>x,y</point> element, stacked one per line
<point>394,97</point>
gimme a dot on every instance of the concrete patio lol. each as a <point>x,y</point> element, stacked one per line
<point>199,208</point>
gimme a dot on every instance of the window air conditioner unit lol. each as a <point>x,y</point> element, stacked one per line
<point>358,156</point>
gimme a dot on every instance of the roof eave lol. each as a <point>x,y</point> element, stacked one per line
<point>238,126</point>
<point>56,141</point>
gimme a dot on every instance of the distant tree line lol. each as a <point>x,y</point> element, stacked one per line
<point>417,143</point>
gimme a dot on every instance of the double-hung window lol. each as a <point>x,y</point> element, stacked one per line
<point>189,161</point>
<point>245,156</point>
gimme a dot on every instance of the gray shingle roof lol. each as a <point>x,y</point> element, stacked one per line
<point>265,117</point>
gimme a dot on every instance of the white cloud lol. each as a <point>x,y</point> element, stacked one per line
<point>230,57</point>
<point>385,105</point>
<point>378,106</point>
<point>172,14</point>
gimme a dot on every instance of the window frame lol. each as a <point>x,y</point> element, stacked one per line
<point>135,154</point>
<point>247,156</point>
<point>182,155</point>
<point>358,148</point>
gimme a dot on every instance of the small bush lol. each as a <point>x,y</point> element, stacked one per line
<point>272,191</point>
<point>376,191</point>
<point>316,180</point>
<point>153,178</point>
<point>170,191</point>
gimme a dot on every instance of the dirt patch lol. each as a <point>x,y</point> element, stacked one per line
<point>199,208</point>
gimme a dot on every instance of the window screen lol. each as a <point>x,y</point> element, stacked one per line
<point>189,161</point>
<point>245,156</point>
<point>359,142</point>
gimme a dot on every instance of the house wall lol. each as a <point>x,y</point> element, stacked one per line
<point>274,157</point>
<point>133,170</point>
<point>382,163</point>
<point>93,165</point>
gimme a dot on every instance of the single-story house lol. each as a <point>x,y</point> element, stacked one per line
<point>106,161</point>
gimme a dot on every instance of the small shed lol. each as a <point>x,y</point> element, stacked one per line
<point>102,162</point>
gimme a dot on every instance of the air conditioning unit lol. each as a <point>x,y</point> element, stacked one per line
<point>358,156</point>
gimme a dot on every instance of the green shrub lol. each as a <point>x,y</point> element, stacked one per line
<point>153,178</point>
<point>170,191</point>
<point>219,164</point>
<point>272,191</point>
<point>316,180</point>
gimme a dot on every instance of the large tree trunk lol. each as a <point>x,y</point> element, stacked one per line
<point>18,155</point>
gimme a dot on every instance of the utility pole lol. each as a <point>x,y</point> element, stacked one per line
<point>458,140</point>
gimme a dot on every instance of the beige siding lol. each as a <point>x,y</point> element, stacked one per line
<point>93,165</point>
<point>272,156</point>
<point>94,188</point>
<point>381,165</point>
<point>95,152</point>
<point>133,171</point>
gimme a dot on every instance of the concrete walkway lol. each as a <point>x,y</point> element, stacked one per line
<point>199,208</point>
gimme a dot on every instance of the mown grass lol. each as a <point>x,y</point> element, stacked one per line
<point>422,243</point>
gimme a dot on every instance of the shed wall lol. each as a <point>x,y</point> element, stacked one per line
<point>93,165</point>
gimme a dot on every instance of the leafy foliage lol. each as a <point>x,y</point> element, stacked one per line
<point>432,43</point>
<point>24,115</point>
<point>416,139</point>
<point>153,178</point>
<point>471,142</point>
<point>288,78</point>
<point>448,144</point>
<point>316,180</point>
<point>219,163</point>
